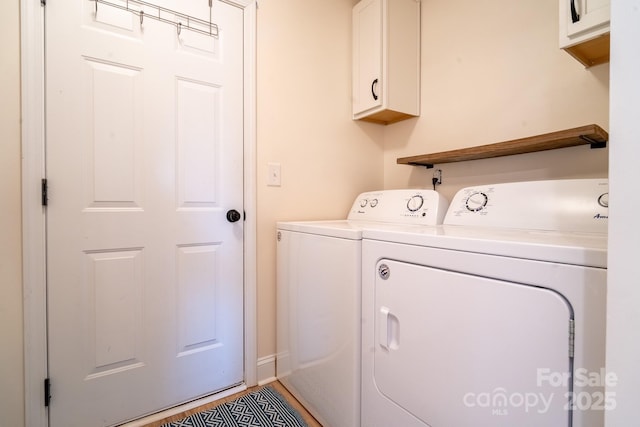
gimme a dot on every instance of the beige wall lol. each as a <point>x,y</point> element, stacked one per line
<point>11,378</point>
<point>304,110</point>
<point>492,71</point>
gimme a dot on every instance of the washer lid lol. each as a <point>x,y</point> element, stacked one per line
<point>339,228</point>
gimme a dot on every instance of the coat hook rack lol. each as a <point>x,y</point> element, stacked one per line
<point>180,20</point>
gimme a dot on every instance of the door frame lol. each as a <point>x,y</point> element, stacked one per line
<point>33,213</point>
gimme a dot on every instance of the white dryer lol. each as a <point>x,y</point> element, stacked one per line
<point>496,318</point>
<point>318,299</point>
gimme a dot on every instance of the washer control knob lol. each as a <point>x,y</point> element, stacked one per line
<point>415,203</point>
<point>363,203</point>
<point>373,203</point>
<point>476,201</point>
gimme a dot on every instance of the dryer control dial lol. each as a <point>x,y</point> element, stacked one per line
<point>415,203</point>
<point>363,203</point>
<point>476,201</point>
<point>603,200</point>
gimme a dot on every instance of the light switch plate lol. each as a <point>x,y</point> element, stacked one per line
<point>273,174</point>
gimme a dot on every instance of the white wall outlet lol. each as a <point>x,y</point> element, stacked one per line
<point>273,174</point>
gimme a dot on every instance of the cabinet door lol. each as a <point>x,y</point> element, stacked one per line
<point>589,15</point>
<point>367,52</point>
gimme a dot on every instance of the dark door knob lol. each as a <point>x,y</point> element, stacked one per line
<point>233,215</point>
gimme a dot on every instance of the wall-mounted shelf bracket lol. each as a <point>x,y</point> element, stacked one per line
<point>593,143</point>
<point>593,135</point>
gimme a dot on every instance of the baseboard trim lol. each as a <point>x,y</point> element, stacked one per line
<point>266,369</point>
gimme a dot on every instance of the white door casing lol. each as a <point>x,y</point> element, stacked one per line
<point>33,214</point>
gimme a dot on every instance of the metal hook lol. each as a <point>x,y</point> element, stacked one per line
<point>141,16</point>
<point>179,27</point>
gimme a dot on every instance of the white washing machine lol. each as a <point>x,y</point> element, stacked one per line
<point>318,299</point>
<point>496,318</point>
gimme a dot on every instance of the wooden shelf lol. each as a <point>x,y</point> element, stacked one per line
<point>593,135</point>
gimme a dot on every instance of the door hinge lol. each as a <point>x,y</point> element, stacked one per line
<point>572,337</point>
<point>47,392</point>
<point>44,188</point>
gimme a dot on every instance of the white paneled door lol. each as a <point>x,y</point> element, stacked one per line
<point>144,152</point>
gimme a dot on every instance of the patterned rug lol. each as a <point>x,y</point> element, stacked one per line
<point>262,408</point>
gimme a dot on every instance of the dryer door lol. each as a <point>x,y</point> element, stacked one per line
<point>459,350</point>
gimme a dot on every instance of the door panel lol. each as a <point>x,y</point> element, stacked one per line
<point>115,284</point>
<point>197,269</point>
<point>198,109</point>
<point>144,158</point>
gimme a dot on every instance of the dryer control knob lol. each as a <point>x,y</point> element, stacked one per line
<point>603,200</point>
<point>476,201</point>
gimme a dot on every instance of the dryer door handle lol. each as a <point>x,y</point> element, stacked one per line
<point>389,329</point>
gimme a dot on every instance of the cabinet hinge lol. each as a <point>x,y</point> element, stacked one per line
<point>47,392</point>
<point>572,337</point>
<point>44,189</point>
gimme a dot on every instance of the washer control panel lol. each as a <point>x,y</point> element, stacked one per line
<point>415,203</point>
<point>407,206</point>
<point>561,205</point>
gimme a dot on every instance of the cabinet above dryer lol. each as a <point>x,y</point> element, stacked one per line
<point>584,30</point>
<point>386,60</point>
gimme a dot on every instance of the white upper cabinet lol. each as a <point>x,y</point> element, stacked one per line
<point>386,60</point>
<point>584,30</point>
